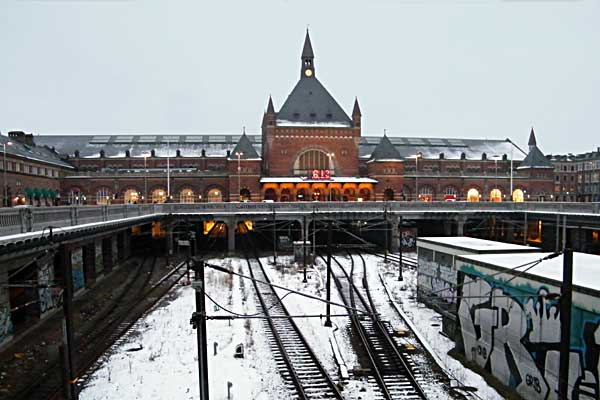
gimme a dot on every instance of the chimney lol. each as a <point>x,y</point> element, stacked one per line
<point>22,137</point>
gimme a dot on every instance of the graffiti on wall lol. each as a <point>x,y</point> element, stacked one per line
<point>516,338</point>
<point>50,296</point>
<point>438,280</point>
<point>99,262</point>
<point>409,238</point>
<point>6,326</point>
<point>77,269</point>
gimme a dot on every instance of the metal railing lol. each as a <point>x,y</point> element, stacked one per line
<point>28,219</point>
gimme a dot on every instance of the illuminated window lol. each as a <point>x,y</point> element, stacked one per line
<point>518,196</point>
<point>473,195</point>
<point>103,196</point>
<point>496,195</point>
<point>131,196</point>
<point>159,195</point>
<point>215,196</point>
<point>311,160</point>
<point>186,196</point>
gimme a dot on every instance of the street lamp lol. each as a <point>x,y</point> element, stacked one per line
<point>5,196</point>
<point>330,156</point>
<point>513,145</point>
<point>416,157</point>
<point>145,196</point>
<point>239,154</point>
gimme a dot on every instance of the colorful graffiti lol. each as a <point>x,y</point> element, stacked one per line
<point>437,280</point>
<point>6,326</point>
<point>77,269</point>
<point>515,335</point>
<point>49,297</point>
<point>409,238</point>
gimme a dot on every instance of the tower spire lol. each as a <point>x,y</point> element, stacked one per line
<point>356,108</point>
<point>308,68</point>
<point>532,141</point>
<point>270,108</point>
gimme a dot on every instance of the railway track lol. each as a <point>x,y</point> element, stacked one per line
<point>392,371</point>
<point>299,366</point>
<point>407,261</point>
<point>113,322</point>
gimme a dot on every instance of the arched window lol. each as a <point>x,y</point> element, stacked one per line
<point>186,196</point>
<point>301,195</point>
<point>317,195</point>
<point>425,193</point>
<point>364,194</point>
<point>450,193</point>
<point>473,195</point>
<point>518,196</point>
<point>311,160</point>
<point>349,194</point>
<point>285,195</point>
<point>388,195</point>
<point>159,195</point>
<point>334,194</point>
<point>496,195</point>
<point>103,196</point>
<point>245,194</point>
<point>215,195</point>
<point>131,196</point>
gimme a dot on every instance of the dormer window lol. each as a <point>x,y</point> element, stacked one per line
<point>313,115</point>
<point>296,115</point>
<point>329,115</point>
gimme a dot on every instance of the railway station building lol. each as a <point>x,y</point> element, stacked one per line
<point>309,149</point>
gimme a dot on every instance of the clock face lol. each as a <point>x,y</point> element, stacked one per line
<point>308,72</point>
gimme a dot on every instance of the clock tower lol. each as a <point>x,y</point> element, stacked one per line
<point>308,66</point>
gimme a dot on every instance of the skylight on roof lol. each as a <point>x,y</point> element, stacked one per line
<point>147,139</point>
<point>100,139</point>
<point>216,139</point>
<point>123,139</point>
<point>415,140</point>
<point>194,139</point>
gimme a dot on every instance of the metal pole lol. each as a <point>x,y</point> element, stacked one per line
<point>328,306</point>
<point>525,229</point>
<point>274,238</point>
<point>199,322</point>
<point>314,236</point>
<point>5,190</point>
<point>68,343</point>
<point>385,228</point>
<point>168,172</point>
<point>564,238</point>
<point>557,232</point>
<point>145,181</point>
<point>400,277</point>
<point>566,297</point>
<point>511,171</point>
<point>416,177</point>
<point>304,231</point>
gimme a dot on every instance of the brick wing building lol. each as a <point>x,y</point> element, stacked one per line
<point>308,150</point>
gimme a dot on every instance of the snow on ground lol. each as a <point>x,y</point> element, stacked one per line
<point>428,322</point>
<point>167,368</point>
<point>317,335</point>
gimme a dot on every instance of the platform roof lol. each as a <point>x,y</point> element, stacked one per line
<point>472,245</point>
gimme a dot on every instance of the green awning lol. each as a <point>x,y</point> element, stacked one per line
<point>36,192</point>
<point>51,193</point>
<point>28,192</point>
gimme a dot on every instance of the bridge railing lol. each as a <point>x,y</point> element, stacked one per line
<point>27,219</point>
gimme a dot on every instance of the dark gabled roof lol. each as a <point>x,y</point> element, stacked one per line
<point>535,159</point>
<point>310,103</point>
<point>385,150</point>
<point>34,152</point>
<point>245,147</point>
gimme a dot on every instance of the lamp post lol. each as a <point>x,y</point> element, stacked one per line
<point>496,157</point>
<point>330,156</point>
<point>145,181</point>
<point>5,191</point>
<point>239,154</point>
<point>168,171</point>
<point>416,157</point>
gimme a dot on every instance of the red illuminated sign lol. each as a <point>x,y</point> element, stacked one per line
<point>321,174</point>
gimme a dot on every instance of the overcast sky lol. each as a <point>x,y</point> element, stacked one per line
<point>466,69</point>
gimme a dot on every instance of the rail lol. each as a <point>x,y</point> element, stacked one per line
<point>30,219</point>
